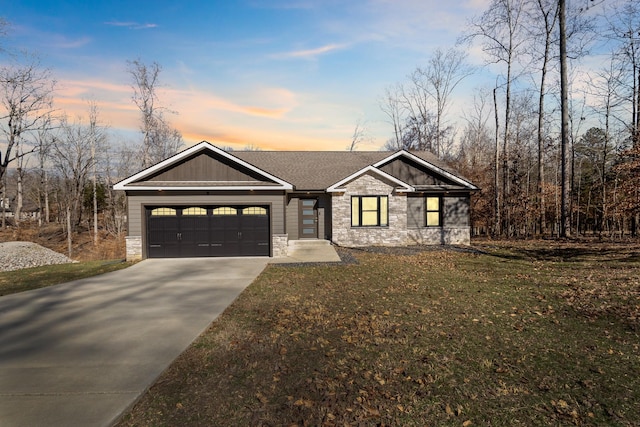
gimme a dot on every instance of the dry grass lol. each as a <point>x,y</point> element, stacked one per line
<point>526,334</point>
<point>52,236</point>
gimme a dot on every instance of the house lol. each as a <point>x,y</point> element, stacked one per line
<point>205,201</point>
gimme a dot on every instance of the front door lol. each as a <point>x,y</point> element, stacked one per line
<point>308,218</point>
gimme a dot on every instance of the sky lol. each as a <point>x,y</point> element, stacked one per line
<point>274,74</point>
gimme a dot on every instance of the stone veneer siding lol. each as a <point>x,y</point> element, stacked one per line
<point>369,185</point>
<point>279,244</point>
<point>397,233</point>
<point>133,246</point>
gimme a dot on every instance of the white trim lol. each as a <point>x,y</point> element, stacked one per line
<point>210,188</point>
<point>335,187</point>
<point>204,145</point>
<point>428,165</point>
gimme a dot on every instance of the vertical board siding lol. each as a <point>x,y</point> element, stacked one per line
<point>292,218</point>
<point>456,211</point>
<point>415,212</point>
<point>324,216</point>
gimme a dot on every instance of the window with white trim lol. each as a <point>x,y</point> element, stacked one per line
<point>369,211</point>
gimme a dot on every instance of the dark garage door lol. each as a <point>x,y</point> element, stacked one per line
<point>204,231</point>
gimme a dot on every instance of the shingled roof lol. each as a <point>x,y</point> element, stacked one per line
<point>318,170</point>
<point>301,170</point>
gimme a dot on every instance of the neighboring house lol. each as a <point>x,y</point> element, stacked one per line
<point>205,201</point>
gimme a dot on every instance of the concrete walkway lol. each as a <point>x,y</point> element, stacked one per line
<point>80,353</point>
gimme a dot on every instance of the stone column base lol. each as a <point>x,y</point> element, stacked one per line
<point>133,246</point>
<point>279,245</point>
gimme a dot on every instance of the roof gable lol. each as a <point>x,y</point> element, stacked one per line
<point>202,166</point>
<point>402,186</point>
<point>206,166</point>
<point>422,173</point>
<point>413,173</point>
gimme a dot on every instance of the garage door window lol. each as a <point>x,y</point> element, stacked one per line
<point>254,210</point>
<point>224,211</point>
<point>163,212</point>
<point>194,211</point>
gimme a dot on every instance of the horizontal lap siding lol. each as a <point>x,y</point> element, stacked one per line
<point>138,202</point>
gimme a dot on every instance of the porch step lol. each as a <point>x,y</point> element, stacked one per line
<point>311,243</point>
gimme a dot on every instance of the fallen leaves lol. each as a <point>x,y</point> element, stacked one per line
<point>422,339</point>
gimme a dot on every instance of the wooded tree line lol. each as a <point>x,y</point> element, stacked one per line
<point>510,141</point>
<point>56,168</point>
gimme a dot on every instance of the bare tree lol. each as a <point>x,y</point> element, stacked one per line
<point>43,142</point>
<point>502,36</point>
<point>160,140</point>
<point>624,26</point>
<point>359,135</point>
<point>565,217</point>
<point>145,82</point>
<point>119,162</point>
<point>543,18</point>
<point>443,73</point>
<point>390,105</point>
<point>73,160</point>
<point>25,98</point>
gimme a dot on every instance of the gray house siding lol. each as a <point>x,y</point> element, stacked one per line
<point>206,167</point>
<point>456,211</point>
<point>324,216</point>
<point>292,217</point>
<point>415,211</point>
<point>410,172</point>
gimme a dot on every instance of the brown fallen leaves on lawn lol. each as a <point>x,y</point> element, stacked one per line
<point>430,338</point>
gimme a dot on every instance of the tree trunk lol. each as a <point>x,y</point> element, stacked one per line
<point>46,198</point>
<point>565,226</point>
<point>95,196</point>
<point>496,228</point>
<point>18,216</point>
<point>69,242</point>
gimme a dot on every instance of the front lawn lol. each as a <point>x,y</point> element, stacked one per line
<point>518,335</point>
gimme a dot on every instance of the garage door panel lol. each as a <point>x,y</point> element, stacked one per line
<point>194,236</point>
<point>209,231</point>
<point>163,237</point>
<point>255,235</point>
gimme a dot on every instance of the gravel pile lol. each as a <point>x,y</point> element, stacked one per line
<point>17,255</point>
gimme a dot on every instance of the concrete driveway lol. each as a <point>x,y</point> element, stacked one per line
<point>80,353</point>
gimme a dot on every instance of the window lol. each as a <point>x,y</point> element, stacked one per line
<point>224,211</point>
<point>163,212</point>
<point>254,210</point>
<point>369,211</point>
<point>432,208</point>
<point>194,211</point>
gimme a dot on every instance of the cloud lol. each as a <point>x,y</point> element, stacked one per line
<point>131,25</point>
<point>310,53</point>
<point>64,43</point>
